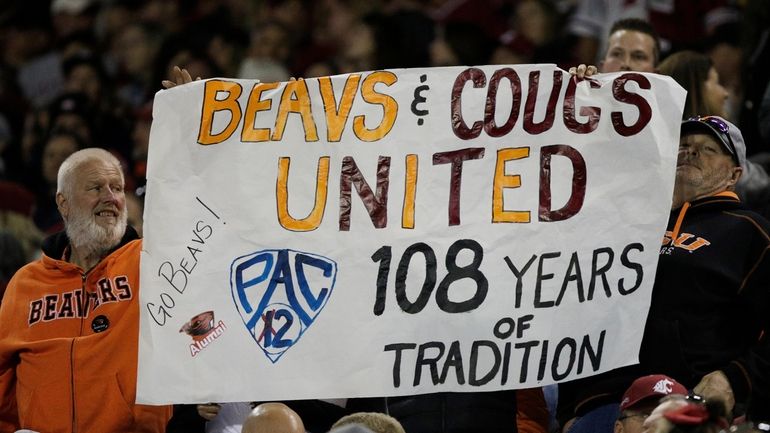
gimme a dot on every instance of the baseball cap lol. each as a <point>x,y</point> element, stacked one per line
<point>654,385</point>
<point>727,134</point>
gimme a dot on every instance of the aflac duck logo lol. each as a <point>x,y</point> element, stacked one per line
<point>279,293</point>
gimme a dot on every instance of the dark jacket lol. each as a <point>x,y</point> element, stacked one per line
<point>710,309</point>
<point>475,412</point>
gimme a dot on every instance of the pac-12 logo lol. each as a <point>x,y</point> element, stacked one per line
<point>279,293</point>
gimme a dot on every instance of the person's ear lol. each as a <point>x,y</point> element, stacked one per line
<point>618,427</point>
<point>736,175</point>
<point>63,205</point>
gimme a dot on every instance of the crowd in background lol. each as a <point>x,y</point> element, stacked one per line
<point>80,73</point>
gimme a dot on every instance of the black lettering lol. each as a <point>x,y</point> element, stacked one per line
<point>65,311</point>
<point>105,290</point>
<point>200,229</point>
<point>595,356</point>
<point>121,283</point>
<point>35,310</point>
<point>50,307</point>
<point>601,271</point>
<point>193,252</point>
<point>453,359</point>
<point>542,277</point>
<point>432,363</point>
<point>427,286</point>
<point>472,380</point>
<point>631,265</point>
<point>543,360</point>
<point>524,324</point>
<point>519,274</point>
<point>572,345</point>
<point>573,274</point>
<point>504,334</point>
<point>171,275</point>
<point>398,347</point>
<point>459,272</point>
<point>161,310</point>
<point>527,346</point>
<point>506,364</point>
<point>183,264</point>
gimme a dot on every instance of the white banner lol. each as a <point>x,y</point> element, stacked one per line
<point>401,232</point>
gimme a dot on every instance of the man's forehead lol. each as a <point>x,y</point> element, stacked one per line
<point>95,169</point>
<point>626,36</point>
<point>700,138</point>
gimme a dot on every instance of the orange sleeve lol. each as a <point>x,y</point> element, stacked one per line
<point>531,411</point>
<point>9,417</point>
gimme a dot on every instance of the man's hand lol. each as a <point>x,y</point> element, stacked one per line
<point>180,76</point>
<point>716,386</point>
<point>208,411</point>
<point>583,71</point>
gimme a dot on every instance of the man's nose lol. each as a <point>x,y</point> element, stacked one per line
<point>625,63</point>
<point>108,194</point>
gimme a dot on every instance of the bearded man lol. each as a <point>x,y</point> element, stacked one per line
<point>70,320</point>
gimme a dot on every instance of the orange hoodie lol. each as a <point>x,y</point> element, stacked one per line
<point>68,346</point>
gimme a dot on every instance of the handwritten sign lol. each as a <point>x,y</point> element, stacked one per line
<point>401,232</point>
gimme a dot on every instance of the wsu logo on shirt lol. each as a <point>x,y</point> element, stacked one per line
<point>684,241</point>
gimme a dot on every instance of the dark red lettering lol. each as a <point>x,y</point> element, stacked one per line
<point>376,203</point>
<point>591,112</point>
<point>456,158</point>
<point>491,104</point>
<point>530,125</point>
<point>459,127</point>
<point>579,175</point>
<point>620,93</point>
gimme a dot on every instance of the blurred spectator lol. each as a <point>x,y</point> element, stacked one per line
<point>374,421</point>
<point>755,109</point>
<point>633,45</point>
<point>591,22</point>
<point>273,418</point>
<point>28,53</point>
<point>696,73</point>
<point>536,36</point>
<point>134,50</point>
<point>679,415</point>
<point>11,258</point>
<point>268,53</point>
<point>72,16</point>
<point>641,398</point>
<point>57,148</point>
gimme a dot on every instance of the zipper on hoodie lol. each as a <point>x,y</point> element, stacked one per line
<point>83,278</point>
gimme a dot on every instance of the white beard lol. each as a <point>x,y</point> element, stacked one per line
<point>91,239</point>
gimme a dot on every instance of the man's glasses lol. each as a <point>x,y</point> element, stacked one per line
<point>722,129</point>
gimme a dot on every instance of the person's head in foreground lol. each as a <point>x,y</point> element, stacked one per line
<point>641,398</point>
<point>712,155</point>
<point>374,421</point>
<point>92,203</point>
<point>687,414</point>
<point>273,418</point>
